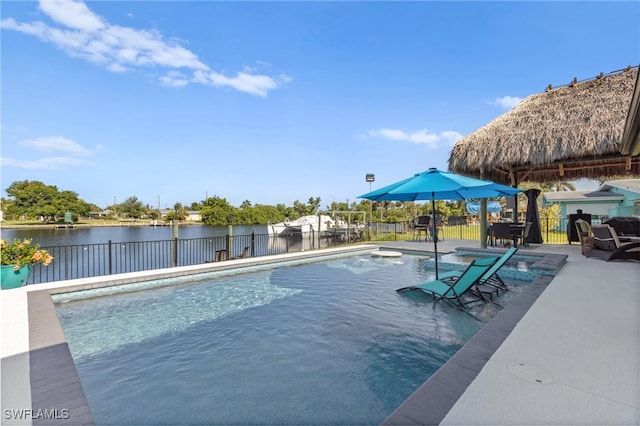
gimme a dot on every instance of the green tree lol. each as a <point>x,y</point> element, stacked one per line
<point>35,200</point>
<point>247,214</point>
<point>179,211</point>
<point>552,215</point>
<point>283,211</point>
<point>443,208</point>
<point>564,186</point>
<point>218,211</point>
<point>131,207</point>
<point>314,205</point>
<point>259,214</point>
<point>299,208</point>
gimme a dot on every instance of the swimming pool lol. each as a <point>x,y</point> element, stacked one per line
<point>325,342</point>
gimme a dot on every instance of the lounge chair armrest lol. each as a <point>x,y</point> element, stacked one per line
<point>603,239</point>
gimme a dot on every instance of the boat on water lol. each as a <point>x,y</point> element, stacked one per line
<point>323,225</point>
<point>304,224</point>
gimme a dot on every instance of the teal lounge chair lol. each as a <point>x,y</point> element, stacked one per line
<point>454,290</point>
<point>490,278</point>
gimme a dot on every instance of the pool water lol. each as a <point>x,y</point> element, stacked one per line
<point>325,342</point>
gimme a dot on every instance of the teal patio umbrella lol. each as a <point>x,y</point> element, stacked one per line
<point>435,185</point>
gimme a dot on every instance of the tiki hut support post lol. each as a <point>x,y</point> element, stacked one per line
<point>483,219</point>
<point>515,199</point>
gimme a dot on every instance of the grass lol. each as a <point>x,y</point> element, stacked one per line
<point>466,232</point>
<point>462,232</point>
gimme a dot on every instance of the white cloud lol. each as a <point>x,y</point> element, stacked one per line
<point>85,35</point>
<point>72,14</point>
<point>50,163</point>
<point>173,79</point>
<point>258,85</point>
<point>73,154</point>
<point>418,137</point>
<point>59,144</point>
<point>451,137</point>
<point>507,102</point>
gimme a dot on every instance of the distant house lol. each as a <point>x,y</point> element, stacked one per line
<point>630,189</point>
<point>190,215</point>
<point>103,213</point>
<point>613,198</point>
<point>193,215</point>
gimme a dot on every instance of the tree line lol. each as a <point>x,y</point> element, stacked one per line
<point>34,200</point>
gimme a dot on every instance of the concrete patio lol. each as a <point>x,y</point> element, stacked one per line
<point>573,358</point>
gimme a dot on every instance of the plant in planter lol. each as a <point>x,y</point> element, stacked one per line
<point>16,259</point>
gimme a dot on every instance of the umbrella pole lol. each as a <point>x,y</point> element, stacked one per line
<point>435,231</point>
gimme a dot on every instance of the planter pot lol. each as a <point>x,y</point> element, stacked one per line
<point>14,279</point>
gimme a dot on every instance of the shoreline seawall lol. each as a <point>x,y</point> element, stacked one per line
<point>90,225</point>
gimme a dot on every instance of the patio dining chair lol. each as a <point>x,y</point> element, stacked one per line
<point>242,255</point>
<point>501,231</point>
<point>421,224</point>
<point>437,229</point>
<point>524,234</point>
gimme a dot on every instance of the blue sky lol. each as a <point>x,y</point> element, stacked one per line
<point>273,102</point>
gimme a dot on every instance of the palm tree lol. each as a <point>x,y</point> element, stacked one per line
<point>564,186</point>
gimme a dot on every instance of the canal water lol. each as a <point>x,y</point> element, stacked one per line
<point>48,237</point>
<point>84,252</point>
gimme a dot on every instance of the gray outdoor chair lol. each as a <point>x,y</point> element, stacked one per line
<point>607,246</point>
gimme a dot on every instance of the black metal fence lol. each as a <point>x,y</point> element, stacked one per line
<point>92,260</point>
<point>553,230</point>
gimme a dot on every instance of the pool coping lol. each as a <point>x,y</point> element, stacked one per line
<point>54,381</point>
<point>433,400</point>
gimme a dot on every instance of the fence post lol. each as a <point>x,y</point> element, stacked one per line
<point>110,259</point>
<point>547,220</point>
<point>175,252</point>
<point>253,243</point>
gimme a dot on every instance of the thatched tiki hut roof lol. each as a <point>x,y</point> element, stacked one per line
<point>566,133</point>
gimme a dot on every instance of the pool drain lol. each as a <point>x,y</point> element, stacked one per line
<point>529,373</point>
